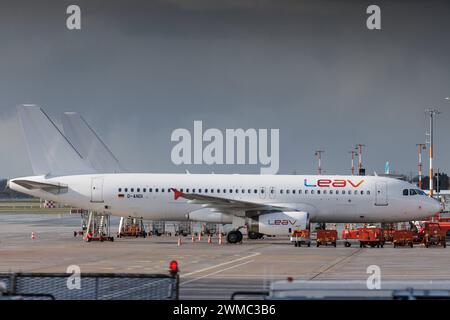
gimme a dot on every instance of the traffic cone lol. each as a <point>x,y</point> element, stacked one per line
<point>179,241</point>
<point>33,236</point>
<point>209,239</point>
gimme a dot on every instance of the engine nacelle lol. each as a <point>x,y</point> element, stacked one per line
<point>206,215</point>
<point>279,223</point>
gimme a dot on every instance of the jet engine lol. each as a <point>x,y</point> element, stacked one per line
<point>279,223</point>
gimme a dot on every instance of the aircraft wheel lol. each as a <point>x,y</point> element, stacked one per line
<point>234,237</point>
<point>240,236</point>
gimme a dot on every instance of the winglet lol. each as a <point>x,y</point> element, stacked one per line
<point>176,193</point>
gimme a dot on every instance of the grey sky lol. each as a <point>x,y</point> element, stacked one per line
<point>140,69</point>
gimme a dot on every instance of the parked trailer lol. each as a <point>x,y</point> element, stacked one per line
<point>300,237</point>
<point>433,235</point>
<point>372,237</point>
<point>403,238</point>
<point>349,234</point>
<point>325,237</point>
<point>389,235</point>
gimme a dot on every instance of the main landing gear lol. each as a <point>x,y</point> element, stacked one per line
<point>234,236</point>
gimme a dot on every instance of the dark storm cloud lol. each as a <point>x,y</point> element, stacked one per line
<point>140,69</point>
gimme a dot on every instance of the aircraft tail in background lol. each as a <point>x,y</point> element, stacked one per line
<point>86,141</point>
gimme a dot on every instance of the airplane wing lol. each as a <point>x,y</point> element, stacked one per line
<point>56,188</point>
<point>229,206</point>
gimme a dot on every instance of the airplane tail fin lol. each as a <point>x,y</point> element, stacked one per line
<point>89,144</point>
<point>49,150</point>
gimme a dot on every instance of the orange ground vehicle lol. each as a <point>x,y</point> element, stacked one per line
<point>325,237</point>
<point>389,235</point>
<point>403,238</point>
<point>300,237</point>
<point>433,235</point>
<point>374,237</point>
<point>349,234</point>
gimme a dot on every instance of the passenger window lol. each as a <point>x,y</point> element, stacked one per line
<point>306,191</point>
<point>162,190</point>
<point>318,191</point>
<point>312,191</point>
<point>120,189</point>
<point>218,190</point>
<point>337,191</point>
<point>156,190</point>
<point>362,192</point>
<point>412,192</point>
<point>224,190</point>
<point>324,191</point>
<point>262,190</point>
<point>150,190</point>
<point>126,189</point>
<point>287,191</point>
<point>144,190</point>
<point>367,192</point>
<point>132,190</point>
<point>405,192</point>
<point>356,192</point>
<point>299,191</point>
<point>293,191</point>
<point>237,191</point>
<point>206,190</point>
<point>231,190</point>
<point>331,191</point>
<point>138,190</point>
<point>187,190</point>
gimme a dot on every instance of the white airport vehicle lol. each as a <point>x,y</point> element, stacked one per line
<point>266,204</point>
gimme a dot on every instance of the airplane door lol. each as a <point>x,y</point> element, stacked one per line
<point>97,190</point>
<point>272,192</point>
<point>381,194</point>
<point>262,193</point>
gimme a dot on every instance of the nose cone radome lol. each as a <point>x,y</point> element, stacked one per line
<point>434,206</point>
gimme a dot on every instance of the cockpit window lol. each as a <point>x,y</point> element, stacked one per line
<point>412,192</point>
<point>420,192</point>
<point>405,192</point>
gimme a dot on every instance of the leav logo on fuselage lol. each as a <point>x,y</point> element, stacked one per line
<point>335,183</point>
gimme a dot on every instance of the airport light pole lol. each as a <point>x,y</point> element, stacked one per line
<point>353,153</point>
<point>359,147</point>
<point>432,112</point>
<point>318,154</point>
<point>421,146</point>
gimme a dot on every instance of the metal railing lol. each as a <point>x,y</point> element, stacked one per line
<point>92,286</point>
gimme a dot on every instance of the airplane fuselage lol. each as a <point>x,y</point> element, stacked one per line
<point>325,198</point>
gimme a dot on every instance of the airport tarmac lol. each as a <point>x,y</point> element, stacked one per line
<point>208,271</point>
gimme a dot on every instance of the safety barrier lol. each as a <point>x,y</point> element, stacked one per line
<point>91,286</point>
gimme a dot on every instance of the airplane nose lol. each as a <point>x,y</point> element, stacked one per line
<point>435,206</point>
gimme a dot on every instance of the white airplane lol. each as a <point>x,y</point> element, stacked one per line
<point>265,204</point>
